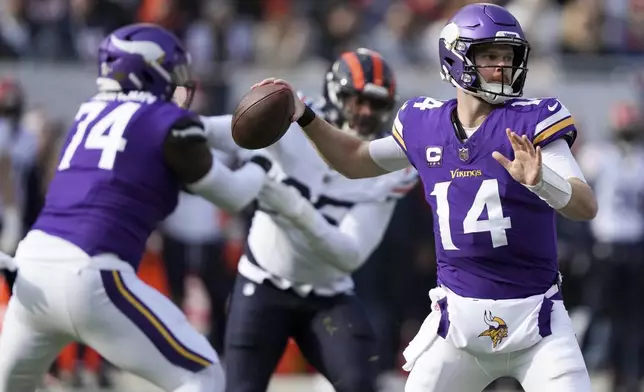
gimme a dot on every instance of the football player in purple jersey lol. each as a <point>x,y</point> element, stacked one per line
<point>496,169</point>
<point>129,151</point>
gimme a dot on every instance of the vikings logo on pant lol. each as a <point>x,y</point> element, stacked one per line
<point>498,329</point>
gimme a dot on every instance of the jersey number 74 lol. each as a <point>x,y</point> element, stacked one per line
<point>105,135</point>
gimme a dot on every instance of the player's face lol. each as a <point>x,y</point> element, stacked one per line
<point>490,60</point>
<point>185,90</point>
<point>364,113</point>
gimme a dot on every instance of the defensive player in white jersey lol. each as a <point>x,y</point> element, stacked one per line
<point>496,169</point>
<point>310,233</point>
<point>129,151</point>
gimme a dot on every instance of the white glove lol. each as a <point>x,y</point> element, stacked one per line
<point>7,262</point>
<point>285,200</point>
<point>298,104</point>
<point>11,230</point>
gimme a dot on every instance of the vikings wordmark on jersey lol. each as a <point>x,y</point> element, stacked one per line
<point>496,239</point>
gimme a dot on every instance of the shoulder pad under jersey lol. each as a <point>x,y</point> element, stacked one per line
<point>412,110</point>
<point>552,120</point>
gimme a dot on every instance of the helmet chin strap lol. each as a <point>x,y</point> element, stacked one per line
<point>492,92</point>
<point>488,97</point>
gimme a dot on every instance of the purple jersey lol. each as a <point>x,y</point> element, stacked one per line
<point>494,238</point>
<point>112,186</point>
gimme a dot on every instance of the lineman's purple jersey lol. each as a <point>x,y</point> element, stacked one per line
<point>113,186</point>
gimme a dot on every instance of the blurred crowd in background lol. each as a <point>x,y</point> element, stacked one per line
<point>193,259</point>
<point>283,32</point>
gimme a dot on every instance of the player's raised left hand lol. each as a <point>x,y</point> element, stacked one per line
<point>526,166</point>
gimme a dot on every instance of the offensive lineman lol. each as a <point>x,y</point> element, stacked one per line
<point>312,231</point>
<point>496,169</point>
<point>127,155</point>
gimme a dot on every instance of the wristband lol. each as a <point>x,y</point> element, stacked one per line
<point>307,117</point>
<point>553,189</point>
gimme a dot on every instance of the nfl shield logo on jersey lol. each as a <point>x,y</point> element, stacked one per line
<point>463,153</point>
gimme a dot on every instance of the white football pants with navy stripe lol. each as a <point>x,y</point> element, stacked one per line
<point>130,324</point>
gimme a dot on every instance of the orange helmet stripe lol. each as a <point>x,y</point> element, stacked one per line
<point>378,71</point>
<point>357,73</point>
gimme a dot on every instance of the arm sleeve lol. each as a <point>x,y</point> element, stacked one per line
<point>219,133</point>
<point>558,157</point>
<point>230,190</point>
<point>388,154</point>
<point>347,246</point>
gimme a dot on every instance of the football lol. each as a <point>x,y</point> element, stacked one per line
<point>262,116</point>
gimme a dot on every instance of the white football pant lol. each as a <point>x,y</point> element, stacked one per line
<point>553,364</point>
<point>133,326</point>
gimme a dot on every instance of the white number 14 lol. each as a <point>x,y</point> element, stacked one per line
<point>486,197</point>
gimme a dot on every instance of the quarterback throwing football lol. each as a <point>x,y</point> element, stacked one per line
<point>496,169</point>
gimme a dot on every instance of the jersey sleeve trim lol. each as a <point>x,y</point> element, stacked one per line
<point>192,132</point>
<point>557,122</point>
<point>188,127</point>
<point>397,132</point>
<point>553,129</point>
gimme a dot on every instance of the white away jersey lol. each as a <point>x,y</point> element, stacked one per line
<point>361,208</point>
